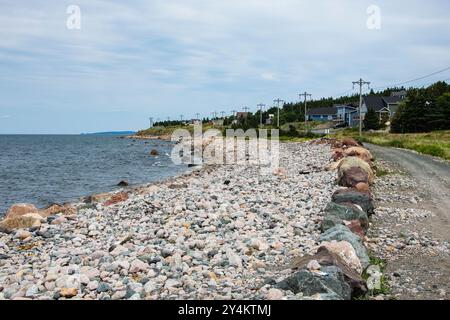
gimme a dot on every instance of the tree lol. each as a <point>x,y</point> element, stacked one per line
<point>440,119</point>
<point>371,120</point>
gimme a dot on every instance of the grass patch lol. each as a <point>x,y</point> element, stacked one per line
<point>433,150</point>
<point>381,172</point>
<point>395,143</point>
<point>436,143</point>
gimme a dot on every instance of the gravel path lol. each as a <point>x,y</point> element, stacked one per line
<point>411,225</point>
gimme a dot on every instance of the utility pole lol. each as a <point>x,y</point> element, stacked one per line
<point>261,106</point>
<point>214,114</point>
<point>246,109</point>
<point>181,117</point>
<point>233,112</point>
<point>305,95</point>
<point>197,115</point>
<point>222,113</point>
<point>360,82</point>
<point>278,101</point>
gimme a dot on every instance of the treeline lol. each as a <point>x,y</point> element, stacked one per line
<point>424,110</point>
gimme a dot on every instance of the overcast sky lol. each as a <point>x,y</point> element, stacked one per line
<point>134,59</point>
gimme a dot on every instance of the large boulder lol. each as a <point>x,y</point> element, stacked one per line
<point>362,199</point>
<point>338,154</point>
<point>359,152</point>
<point>28,220</point>
<point>107,199</point>
<point>324,257</point>
<point>55,208</point>
<point>350,162</point>
<point>352,177</point>
<point>116,198</point>
<point>343,233</point>
<point>345,251</point>
<point>350,142</point>
<point>330,280</point>
<point>356,228</point>
<point>336,214</point>
<point>333,165</point>
<point>20,209</point>
<point>363,187</point>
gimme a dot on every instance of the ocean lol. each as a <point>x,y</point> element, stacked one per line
<point>46,169</point>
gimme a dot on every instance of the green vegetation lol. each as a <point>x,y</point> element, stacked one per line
<point>384,285</point>
<point>424,110</point>
<point>436,143</point>
<point>371,120</point>
<point>381,172</point>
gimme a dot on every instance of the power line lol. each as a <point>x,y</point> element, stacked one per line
<point>401,83</point>
<point>416,79</point>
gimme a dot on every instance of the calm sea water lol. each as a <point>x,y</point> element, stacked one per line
<point>44,169</point>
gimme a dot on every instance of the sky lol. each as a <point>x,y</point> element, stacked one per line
<point>131,60</point>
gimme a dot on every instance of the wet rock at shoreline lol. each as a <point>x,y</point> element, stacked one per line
<point>20,209</point>
<point>123,183</point>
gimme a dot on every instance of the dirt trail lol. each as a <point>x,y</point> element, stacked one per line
<point>429,273</point>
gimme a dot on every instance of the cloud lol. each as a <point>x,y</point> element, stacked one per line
<point>182,56</point>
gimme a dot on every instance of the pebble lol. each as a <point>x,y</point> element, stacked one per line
<point>176,238</point>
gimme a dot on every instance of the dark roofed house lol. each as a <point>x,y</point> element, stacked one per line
<point>322,114</point>
<point>384,106</point>
<point>349,113</point>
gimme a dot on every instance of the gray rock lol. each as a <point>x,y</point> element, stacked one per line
<point>103,287</point>
<point>329,281</point>
<point>32,291</point>
<point>336,213</point>
<point>343,233</point>
<point>363,199</point>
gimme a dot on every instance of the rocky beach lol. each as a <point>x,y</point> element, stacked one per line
<point>217,232</point>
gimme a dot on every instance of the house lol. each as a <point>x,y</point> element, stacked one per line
<point>349,113</point>
<point>345,114</point>
<point>338,113</point>
<point>385,107</point>
<point>322,114</point>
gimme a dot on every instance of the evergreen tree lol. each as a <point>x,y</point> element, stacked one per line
<point>371,120</point>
